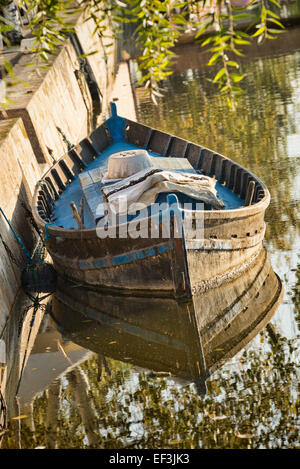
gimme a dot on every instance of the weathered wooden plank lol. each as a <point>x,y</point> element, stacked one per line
<point>48,204</point>
<point>42,203</point>
<point>100,138</point>
<point>250,193</point>
<point>172,163</point>
<point>218,166</point>
<point>238,180</point>
<point>85,179</point>
<point>207,161</point>
<point>194,155</point>
<point>177,148</point>
<point>159,142</point>
<point>90,184</point>
<point>232,176</point>
<point>61,176</point>
<point>57,180</point>
<point>260,194</point>
<point>48,193</point>
<point>41,213</point>
<point>227,171</point>
<point>137,134</point>
<point>246,178</point>
<point>74,163</point>
<point>96,175</point>
<point>84,152</point>
<point>66,170</point>
<point>52,184</point>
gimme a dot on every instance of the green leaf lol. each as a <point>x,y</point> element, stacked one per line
<point>238,52</point>
<point>231,63</point>
<point>273,20</point>
<point>275,3</point>
<point>224,88</point>
<point>219,48</point>
<point>236,77</point>
<point>275,31</point>
<point>229,103</point>
<point>177,19</point>
<point>203,29</point>
<point>222,38</point>
<point>259,31</point>
<point>271,13</point>
<point>214,59</point>
<point>219,74</point>
<point>241,41</point>
<point>237,89</point>
<point>207,41</point>
<point>242,16</point>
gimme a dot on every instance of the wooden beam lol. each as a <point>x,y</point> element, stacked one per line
<point>250,193</point>
<point>76,215</point>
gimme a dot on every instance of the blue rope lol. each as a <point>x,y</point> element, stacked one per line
<point>19,241</point>
<point>29,260</point>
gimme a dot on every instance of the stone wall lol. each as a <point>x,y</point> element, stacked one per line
<point>58,106</point>
<point>65,102</point>
<point>19,173</point>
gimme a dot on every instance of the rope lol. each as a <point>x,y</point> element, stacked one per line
<point>19,241</point>
<point>40,254</point>
<point>13,259</point>
<point>29,216</point>
<point>30,262</point>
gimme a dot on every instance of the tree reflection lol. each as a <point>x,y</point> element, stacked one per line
<point>251,405</point>
<point>255,135</point>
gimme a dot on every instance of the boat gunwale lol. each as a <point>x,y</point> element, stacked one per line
<point>237,213</point>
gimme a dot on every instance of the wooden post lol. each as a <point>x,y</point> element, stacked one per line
<point>250,193</point>
<point>76,215</point>
<point>82,211</point>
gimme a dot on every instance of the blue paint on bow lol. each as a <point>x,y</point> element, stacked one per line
<point>116,124</point>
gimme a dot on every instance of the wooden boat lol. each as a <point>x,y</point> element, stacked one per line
<point>162,265</point>
<point>162,334</point>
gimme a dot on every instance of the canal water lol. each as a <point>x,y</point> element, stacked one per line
<point>85,386</point>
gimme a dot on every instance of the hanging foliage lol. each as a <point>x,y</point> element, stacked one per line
<point>159,25</point>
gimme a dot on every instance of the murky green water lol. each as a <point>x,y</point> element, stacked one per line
<point>263,134</point>
<point>70,397</point>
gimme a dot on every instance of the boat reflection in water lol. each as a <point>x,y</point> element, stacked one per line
<point>189,340</point>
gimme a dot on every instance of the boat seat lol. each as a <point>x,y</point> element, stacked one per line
<point>93,180</point>
<point>90,182</point>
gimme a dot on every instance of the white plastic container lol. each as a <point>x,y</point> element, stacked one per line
<point>126,163</point>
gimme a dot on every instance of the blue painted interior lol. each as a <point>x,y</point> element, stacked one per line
<point>63,215</point>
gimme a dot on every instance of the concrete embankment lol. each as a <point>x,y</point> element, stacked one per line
<point>59,107</point>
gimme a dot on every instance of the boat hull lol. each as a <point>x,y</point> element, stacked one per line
<point>163,265</point>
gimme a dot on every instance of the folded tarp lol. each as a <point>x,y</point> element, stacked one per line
<point>127,195</point>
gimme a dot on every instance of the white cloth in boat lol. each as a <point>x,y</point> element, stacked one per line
<point>144,186</point>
